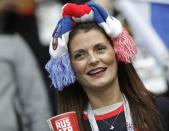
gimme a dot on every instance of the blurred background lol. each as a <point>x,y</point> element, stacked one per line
<point>26,93</point>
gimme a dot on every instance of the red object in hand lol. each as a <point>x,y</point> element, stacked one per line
<point>64,122</point>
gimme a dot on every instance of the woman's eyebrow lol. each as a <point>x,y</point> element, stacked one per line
<point>79,51</point>
<point>99,44</point>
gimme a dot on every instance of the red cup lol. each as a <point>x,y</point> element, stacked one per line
<point>64,122</point>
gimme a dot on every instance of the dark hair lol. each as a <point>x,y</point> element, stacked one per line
<point>141,101</point>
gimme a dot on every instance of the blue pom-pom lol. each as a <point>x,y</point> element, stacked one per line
<point>60,71</point>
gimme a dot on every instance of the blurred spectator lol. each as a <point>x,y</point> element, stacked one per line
<point>23,97</point>
<point>18,16</point>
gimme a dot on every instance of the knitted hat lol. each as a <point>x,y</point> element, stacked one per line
<point>59,66</point>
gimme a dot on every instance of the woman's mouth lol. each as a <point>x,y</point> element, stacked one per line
<point>97,71</point>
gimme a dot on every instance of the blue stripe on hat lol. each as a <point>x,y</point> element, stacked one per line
<point>64,25</point>
<point>100,14</point>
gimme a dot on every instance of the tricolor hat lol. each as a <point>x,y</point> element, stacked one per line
<point>59,66</point>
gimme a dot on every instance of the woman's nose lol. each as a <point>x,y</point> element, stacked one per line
<point>93,59</point>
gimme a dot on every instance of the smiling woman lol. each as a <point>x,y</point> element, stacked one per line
<point>93,60</point>
<point>93,72</point>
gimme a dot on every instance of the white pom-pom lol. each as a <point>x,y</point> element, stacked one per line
<point>114,26</point>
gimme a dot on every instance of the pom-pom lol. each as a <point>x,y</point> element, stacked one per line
<point>124,47</point>
<point>60,71</point>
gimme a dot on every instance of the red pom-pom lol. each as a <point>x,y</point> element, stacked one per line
<point>124,47</point>
<point>75,10</point>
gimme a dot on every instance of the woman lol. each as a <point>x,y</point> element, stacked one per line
<point>91,66</point>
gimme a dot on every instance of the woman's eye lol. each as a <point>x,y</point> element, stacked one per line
<point>79,56</point>
<point>101,49</point>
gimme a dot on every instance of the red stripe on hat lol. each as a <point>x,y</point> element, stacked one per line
<point>75,10</point>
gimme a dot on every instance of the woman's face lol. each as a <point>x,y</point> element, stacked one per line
<point>93,59</point>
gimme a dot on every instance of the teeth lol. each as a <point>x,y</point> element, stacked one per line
<point>94,71</point>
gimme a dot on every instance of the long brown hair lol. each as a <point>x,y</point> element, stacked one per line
<point>141,101</point>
